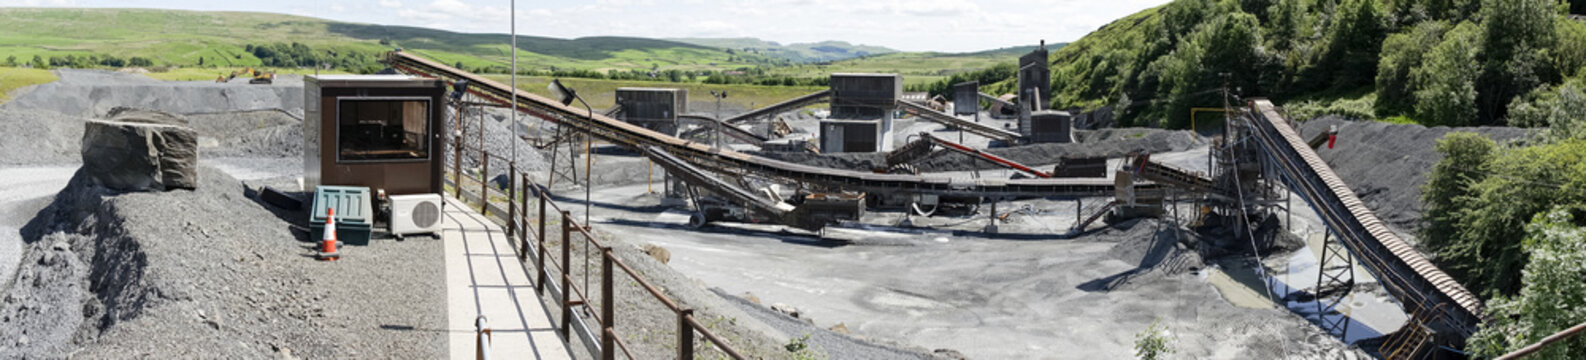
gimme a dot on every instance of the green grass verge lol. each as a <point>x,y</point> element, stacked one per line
<point>209,74</point>
<point>15,78</point>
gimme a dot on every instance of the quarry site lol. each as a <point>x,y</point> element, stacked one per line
<point>850,223</point>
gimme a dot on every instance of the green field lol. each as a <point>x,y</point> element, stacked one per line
<point>601,94</point>
<point>200,74</point>
<point>15,78</point>
<point>916,68</point>
<point>175,37</point>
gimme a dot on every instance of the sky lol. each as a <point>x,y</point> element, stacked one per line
<point>908,25</point>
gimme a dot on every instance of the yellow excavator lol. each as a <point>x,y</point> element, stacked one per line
<point>259,76</point>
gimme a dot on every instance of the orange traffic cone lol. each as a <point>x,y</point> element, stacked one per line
<point>327,246</point>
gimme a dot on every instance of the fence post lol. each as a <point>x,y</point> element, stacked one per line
<point>567,278</point>
<point>484,182</point>
<point>512,199</point>
<point>523,217</point>
<point>608,312</point>
<point>457,168</point>
<point>540,286</point>
<point>685,335</point>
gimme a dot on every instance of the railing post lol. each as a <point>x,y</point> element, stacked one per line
<point>685,335</point>
<point>523,217</point>
<point>484,182</point>
<point>540,286</point>
<point>512,199</point>
<point>567,279</point>
<point>608,342</point>
<point>457,168</point>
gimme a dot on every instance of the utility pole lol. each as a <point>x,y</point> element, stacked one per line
<point>719,122</point>
<point>513,126</point>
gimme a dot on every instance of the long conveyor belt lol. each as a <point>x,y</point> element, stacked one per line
<point>730,162</point>
<point>1403,272</point>
<point>784,106</point>
<point>690,174</point>
<point>974,127</point>
<point>727,128</point>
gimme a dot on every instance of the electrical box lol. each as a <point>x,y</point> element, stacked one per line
<point>354,213</point>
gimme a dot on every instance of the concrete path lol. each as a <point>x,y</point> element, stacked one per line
<point>484,277</point>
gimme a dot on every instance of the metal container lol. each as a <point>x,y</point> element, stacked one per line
<point>850,136</point>
<point>966,98</point>
<point>1049,126</point>
<point>864,96</point>
<point>653,108</point>
<point>354,213</point>
<point>376,131</point>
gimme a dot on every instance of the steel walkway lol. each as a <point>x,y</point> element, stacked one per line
<point>484,277</point>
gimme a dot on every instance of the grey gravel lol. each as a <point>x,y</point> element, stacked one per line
<point>162,275</point>
<point>93,93</point>
<point>1386,164</point>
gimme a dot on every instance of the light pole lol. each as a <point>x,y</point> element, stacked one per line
<point>567,96</point>
<point>719,122</point>
<point>513,126</point>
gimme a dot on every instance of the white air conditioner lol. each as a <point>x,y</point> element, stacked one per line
<point>415,214</point>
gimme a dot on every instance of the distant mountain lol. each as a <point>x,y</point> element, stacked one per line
<point>825,51</point>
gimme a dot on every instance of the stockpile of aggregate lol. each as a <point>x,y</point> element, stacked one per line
<point>1386,164</point>
<point>210,273</point>
<point>93,93</point>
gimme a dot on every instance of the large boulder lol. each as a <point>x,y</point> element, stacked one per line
<point>141,150</point>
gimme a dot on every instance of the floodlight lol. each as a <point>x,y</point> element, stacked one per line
<point>557,89</point>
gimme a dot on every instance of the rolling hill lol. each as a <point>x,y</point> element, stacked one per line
<point>797,53</point>
<point>176,37</point>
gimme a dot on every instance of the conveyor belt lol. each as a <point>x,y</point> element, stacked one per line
<point>725,161</point>
<point>784,106</point>
<point>1171,176</point>
<point>1403,272</point>
<point>695,176</point>
<point>731,130</point>
<point>995,99</point>
<point>949,120</point>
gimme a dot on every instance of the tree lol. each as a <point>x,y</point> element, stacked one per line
<point>1515,36</point>
<point>1401,53</point>
<point>1230,44</point>
<point>1445,82</point>
<point>1448,185</point>
<point>140,62</point>
<point>38,62</point>
<point>1354,39</point>
<point>1561,110</point>
<point>11,61</point>
<point>1553,297</point>
<point>1569,52</point>
<point>1520,183</point>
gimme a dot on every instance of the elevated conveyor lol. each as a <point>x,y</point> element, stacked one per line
<point>728,129</point>
<point>728,162</point>
<point>932,115</point>
<point>920,148</point>
<point>781,107</point>
<point>1431,297</point>
<point>694,176</point>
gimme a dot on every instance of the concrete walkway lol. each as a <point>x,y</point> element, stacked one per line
<point>483,277</point>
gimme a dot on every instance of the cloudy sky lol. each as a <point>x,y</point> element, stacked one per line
<point>911,25</point>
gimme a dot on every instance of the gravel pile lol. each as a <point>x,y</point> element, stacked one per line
<point>160,275</point>
<point>1386,164</point>
<point>1099,143</point>
<point>96,92</point>
<point>497,139</point>
<point>40,137</point>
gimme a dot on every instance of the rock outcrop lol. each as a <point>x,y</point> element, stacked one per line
<point>141,150</point>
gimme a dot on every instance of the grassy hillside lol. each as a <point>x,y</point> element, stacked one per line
<point>1427,61</point>
<point>181,38</point>
<point>13,78</point>
<point>797,53</point>
<point>601,93</point>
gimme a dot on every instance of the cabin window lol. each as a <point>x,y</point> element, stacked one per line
<point>383,129</point>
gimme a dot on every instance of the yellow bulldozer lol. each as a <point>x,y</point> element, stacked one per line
<point>258,76</point>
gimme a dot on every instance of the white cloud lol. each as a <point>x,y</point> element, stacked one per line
<point>391,3</point>
<point>38,2</point>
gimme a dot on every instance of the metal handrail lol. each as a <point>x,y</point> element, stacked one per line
<point>610,339</point>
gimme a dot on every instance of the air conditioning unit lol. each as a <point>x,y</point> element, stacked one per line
<point>415,214</point>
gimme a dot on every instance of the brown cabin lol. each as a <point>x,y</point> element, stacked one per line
<point>377,131</point>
